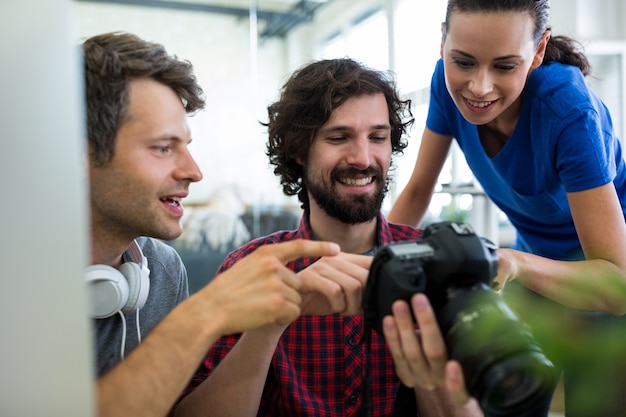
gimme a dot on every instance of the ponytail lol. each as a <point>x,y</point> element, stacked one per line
<point>567,51</point>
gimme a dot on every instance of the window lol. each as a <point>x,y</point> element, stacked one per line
<point>365,40</point>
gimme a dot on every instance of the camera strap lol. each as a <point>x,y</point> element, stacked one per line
<point>405,404</point>
<point>366,399</point>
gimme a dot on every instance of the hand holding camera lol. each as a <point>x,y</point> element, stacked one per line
<point>503,366</point>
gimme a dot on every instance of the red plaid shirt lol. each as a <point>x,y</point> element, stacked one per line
<point>319,364</point>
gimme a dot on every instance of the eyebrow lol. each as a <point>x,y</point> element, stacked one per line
<point>343,128</point>
<point>170,138</point>
<point>500,58</point>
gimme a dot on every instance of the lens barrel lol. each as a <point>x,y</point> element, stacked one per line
<point>503,365</point>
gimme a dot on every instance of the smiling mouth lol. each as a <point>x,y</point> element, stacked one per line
<point>479,104</point>
<point>358,182</point>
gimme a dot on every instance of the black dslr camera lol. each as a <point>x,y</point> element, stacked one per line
<point>504,367</point>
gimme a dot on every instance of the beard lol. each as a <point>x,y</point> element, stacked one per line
<point>355,209</point>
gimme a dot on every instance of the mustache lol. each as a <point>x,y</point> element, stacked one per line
<point>371,171</point>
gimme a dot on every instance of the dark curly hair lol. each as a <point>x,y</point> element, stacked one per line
<point>306,102</point>
<point>111,61</point>
<point>561,49</point>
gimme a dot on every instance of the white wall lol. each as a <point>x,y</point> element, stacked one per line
<point>45,352</point>
<point>589,20</point>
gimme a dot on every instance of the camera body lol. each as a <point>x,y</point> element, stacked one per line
<point>504,367</point>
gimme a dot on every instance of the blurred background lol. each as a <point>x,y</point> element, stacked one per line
<point>243,50</point>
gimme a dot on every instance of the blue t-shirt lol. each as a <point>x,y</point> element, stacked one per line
<point>563,142</point>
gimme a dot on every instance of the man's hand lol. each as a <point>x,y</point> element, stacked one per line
<point>420,356</point>
<point>335,284</point>
<point>259,289</point>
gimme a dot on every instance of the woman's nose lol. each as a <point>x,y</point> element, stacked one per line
<point>481,85</point>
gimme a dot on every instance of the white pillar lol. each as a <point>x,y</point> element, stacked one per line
<point>46,356</point>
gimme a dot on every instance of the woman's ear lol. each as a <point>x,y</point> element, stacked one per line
<point>540,52</point>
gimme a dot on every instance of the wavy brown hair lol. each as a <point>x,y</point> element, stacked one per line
<point>111,62</point>
<point>306,102</point>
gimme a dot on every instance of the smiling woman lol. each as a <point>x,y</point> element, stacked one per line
<point>542,146</point>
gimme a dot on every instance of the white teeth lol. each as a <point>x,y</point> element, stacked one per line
<point>356,181</point>
<point>479,104</point>
<point>174,201</point>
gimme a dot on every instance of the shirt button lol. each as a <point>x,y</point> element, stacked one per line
<point>352,399</point>
<point>351,341</point>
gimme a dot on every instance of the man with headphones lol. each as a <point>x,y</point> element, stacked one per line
<point>138,98</point>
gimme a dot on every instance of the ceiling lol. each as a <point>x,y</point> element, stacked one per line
<point>275,17</point>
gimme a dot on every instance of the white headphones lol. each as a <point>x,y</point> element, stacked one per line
<point>111,290</point>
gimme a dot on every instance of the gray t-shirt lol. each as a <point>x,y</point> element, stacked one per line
<point>168,287</point>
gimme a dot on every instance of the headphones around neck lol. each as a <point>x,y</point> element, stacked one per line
<point>112,290</point>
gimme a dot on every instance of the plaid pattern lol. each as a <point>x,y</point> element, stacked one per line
<point>319,364</point>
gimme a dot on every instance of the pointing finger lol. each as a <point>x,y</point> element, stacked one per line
<point>301,248</point>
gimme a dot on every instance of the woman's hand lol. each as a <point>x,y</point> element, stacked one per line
<point>508,268</point>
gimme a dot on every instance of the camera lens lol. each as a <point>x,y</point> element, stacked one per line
<point>517,386</point>
<point>503,365</point>
<point>516,383</point>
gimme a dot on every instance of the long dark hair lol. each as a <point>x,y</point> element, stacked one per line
<point>561,49</point>
<point>111,61</point>
<point>306,102</point>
